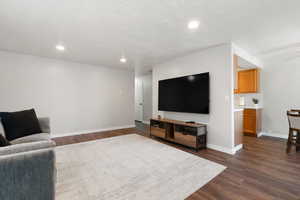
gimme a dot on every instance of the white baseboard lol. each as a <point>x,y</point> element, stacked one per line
<point>260,134</point>
<point>92,131</point>
<point>225,149</point>
<point>278,135</point>
<point>237,148</point>
<point>222,149</point>
<point>146,122</point>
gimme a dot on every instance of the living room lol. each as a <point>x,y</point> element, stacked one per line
<point>139,100</point>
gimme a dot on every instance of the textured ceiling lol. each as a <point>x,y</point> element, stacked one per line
<point>148,31</point>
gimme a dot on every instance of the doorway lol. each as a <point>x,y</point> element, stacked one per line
<point>139,99</point>
<point>247,100</point>
<point>143,98</point>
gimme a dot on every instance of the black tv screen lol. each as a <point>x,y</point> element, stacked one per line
<point>188,94</point>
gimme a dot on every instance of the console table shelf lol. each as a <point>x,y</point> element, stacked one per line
<point>188,134</point>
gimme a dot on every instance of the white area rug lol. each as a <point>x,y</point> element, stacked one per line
<point>130,167</point>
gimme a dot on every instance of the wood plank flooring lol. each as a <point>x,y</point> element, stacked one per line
<point>261,171</point>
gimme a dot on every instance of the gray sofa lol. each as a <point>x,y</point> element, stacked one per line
<point>27,167</point>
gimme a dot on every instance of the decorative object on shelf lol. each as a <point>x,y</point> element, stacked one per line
<point>255,101</point>
<point>160,115</point>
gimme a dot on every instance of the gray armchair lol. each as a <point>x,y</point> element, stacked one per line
<point>27,168</point>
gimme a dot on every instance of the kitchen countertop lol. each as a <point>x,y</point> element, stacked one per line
<point>241,108</point>
<point>238,109</point>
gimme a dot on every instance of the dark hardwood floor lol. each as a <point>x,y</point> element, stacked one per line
<point>261,171</point>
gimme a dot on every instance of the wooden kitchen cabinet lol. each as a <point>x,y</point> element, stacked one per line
<point>248,81</point>
<point>252,121</point>
<point>238,128</point>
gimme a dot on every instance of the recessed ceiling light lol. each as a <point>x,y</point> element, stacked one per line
<point>123,60</point>
<point>60,47</point>
<point>193,24</point>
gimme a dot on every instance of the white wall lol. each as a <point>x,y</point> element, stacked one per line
<point>76,97</point>
<point>218,62</point>
<point>281,85</point>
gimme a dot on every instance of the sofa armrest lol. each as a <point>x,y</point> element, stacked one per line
<point>18,148</point>
<point>45,124</point>
<point>28,175</point>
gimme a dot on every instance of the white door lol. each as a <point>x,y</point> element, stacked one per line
<point>138,99</point>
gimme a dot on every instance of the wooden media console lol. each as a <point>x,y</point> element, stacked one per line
<point>188,134</point>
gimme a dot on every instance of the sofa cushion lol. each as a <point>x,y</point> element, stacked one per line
<point>3,141</point>
<point>32,138</point>
<point>20,124</point>
<point>32,146</point>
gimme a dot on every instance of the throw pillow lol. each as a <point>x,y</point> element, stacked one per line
<point>20,124</point>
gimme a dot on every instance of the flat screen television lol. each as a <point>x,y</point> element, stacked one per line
<point>189,94</point>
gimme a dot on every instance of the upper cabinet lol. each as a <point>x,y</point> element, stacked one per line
<point>248,81</point>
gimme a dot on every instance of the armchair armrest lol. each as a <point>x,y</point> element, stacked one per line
<point>45,124</point>
<point>18,148</point>
<point>28,175</point>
